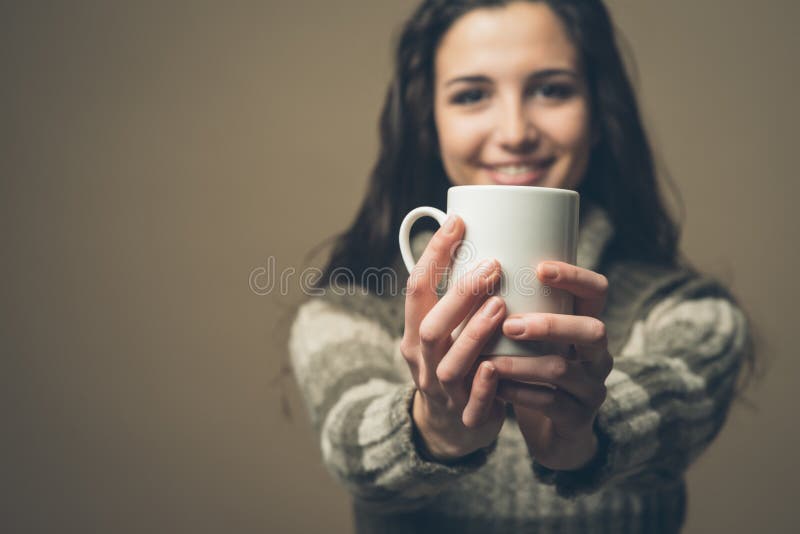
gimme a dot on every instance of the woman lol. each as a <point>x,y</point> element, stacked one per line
<point>427,435</point>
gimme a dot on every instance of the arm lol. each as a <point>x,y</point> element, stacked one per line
<point>667,396</point>
<point>360,405</point>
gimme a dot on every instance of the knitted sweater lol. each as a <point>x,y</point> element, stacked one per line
<point>678,340</point>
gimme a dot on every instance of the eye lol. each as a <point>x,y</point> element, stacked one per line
<point>557,91</point>
<point>467,97</point>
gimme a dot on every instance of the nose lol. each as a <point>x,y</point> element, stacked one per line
<point>515,130</point>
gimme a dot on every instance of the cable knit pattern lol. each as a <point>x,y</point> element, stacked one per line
<point>678,339</point>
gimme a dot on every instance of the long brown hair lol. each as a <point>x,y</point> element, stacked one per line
<point>621,175</point>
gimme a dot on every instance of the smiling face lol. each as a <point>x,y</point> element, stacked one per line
<point>511,106</point>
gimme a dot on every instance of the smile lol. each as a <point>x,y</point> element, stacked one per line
<point>527,174</point>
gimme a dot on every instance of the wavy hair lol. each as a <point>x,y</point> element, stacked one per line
<point>408,173</point>
<point>621,174</point>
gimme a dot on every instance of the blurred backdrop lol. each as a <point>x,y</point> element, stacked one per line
<point>154,156</point>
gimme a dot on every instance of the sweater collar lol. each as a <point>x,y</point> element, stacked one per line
<point>594,233</point>
<point>595,230</point>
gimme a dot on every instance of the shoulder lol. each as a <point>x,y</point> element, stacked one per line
<point>673,307</point>
<point>336,326</point>
<point>705,318</point>
<point>680,309</point>
<point>353,307</point>
<point>645,284</point>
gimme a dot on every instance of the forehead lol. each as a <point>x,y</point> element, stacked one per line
<point>500,41</point>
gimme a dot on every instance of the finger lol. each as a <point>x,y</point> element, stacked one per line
<point>598,364</point>
<point>590,288</point>
<point>427,274</point>
<point>455,305</point>
<point>570,377</point>
<point>429,383</point>
<point>584,331</point>
<point>435,331</point>
<point>556,404</point>
<point>481,398</point>
<point>460,359</point>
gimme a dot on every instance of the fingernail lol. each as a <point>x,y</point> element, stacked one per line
<point>485,268</point>
<point>549,270</point>
<point>492,306</point>
<point>514,326</point>
<point>450,224</point>
<point>487,371</point>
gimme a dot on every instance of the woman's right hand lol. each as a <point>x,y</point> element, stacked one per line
<point>455,408</point>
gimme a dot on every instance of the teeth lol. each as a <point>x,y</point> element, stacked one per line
<point>514,169</point>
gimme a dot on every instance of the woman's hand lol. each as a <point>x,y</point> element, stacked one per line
<point>455,408</point>
<point>558,423</point>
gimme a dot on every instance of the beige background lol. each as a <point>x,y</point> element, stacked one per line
<point>152,156</point>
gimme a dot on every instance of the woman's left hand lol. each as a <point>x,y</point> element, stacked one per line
<point>557,423</point>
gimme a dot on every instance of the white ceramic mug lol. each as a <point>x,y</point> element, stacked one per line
<point>520,226</point>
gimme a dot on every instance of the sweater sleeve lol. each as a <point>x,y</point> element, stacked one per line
<point>667,396</point>
<point>360,405</point>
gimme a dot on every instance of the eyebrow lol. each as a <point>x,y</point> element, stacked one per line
<point>533,76</point>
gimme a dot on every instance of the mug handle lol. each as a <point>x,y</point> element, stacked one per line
<point>405,231</point>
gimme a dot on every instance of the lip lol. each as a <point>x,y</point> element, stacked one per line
<point>527,178</point>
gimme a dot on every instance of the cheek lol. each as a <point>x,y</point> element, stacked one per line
<point>567,127</point>
<point>459,137</point>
